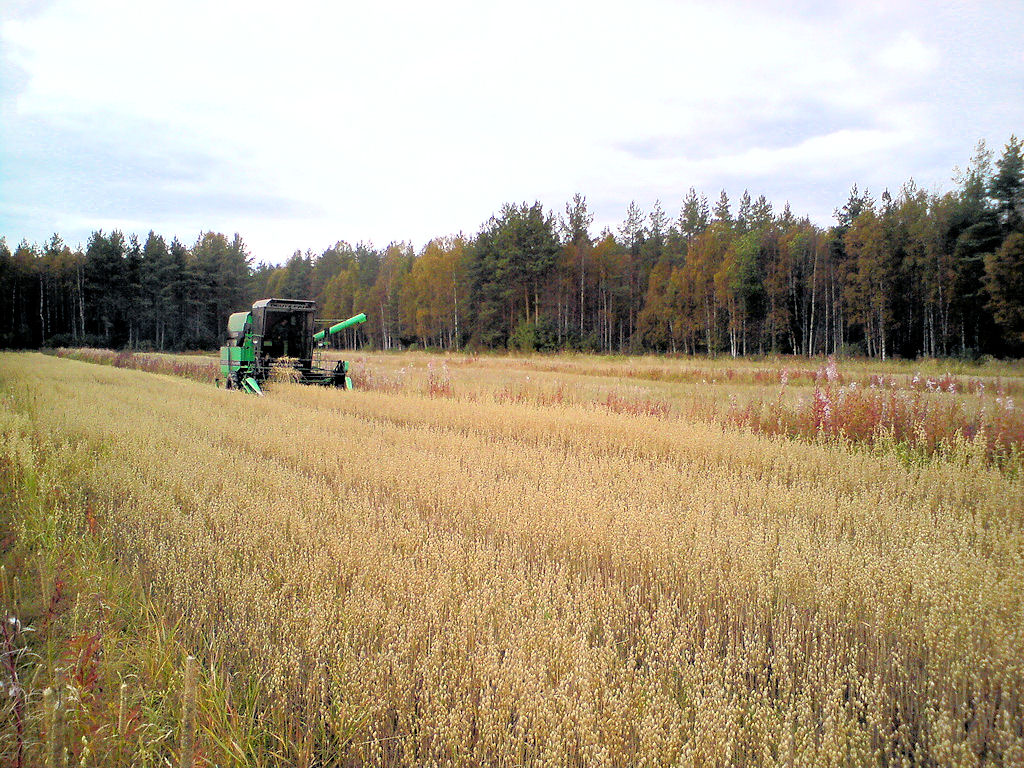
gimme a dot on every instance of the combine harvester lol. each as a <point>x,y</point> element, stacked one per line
<point>277,335</point>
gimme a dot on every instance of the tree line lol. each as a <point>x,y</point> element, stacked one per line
<point>909,274</point>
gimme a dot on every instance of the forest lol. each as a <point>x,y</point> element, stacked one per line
<point>908,274</point>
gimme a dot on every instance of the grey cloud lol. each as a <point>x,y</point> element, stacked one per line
<point>750,126</point>
<point>109,174</point>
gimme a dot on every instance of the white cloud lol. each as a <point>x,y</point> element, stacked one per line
<point>908,54</point>
<point>818,156</point>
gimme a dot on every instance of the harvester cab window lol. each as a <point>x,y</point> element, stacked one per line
<point>284,335</point>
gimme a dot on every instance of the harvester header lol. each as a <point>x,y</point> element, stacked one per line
<point>277,334</point>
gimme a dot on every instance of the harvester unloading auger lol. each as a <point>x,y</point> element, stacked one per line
<point>277,334</point>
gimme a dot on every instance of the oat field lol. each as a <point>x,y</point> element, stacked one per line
<point>552,561</point>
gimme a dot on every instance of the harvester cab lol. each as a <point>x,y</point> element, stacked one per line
<point>277,335</point>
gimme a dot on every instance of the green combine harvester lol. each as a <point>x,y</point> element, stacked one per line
<point>277,335</point>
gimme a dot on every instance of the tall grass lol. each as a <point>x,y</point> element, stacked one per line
<point>189,366</point>
<point>923,417</point>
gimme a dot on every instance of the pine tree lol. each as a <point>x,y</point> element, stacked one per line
<point>1004,278</point>
<point>694,217</point>
<point>106,285</point>
<point>1007,187</point>
<point>153,310</point>
<point>722,212</point>
<point>576,233</point>
<point>744,213</point>
<point>633,235</point>
<point>760,215</point>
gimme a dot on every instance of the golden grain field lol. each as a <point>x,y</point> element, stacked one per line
<point>490,580</point>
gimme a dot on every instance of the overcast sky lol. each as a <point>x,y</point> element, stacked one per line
<point>298,124</point>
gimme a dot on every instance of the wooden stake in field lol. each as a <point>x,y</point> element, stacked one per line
<point>188,712</point>
<point>51,710</point>
<point>122,711</point>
